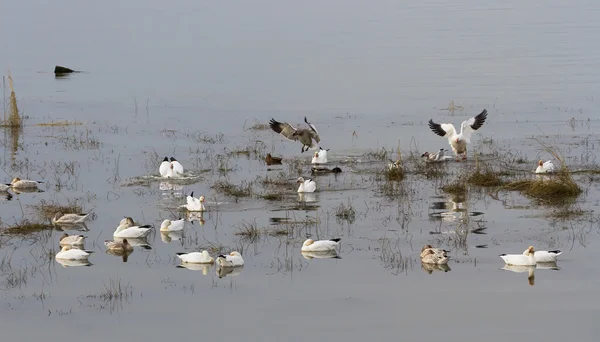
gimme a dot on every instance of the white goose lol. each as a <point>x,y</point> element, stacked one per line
<point>177,167</point>
<point>70,240</point>
<point>194,204</point>
<point>4,187</point>
<point>544,256</point>
<point>60,218</point>
<point>437,251</point>
<point>118,246</point>
<point>172,226</point>
<point>525,259</point>
<point>164,167</point>
<point>311,245</point>
<point>307,185</point>
<point>128,229</point>
<point>234,259</point>
<point>320,157</point>
<point>546,167</point>
<point>196,258</point>
<point>459,142</point>
<point>331,254</point>
<point>70,253</point>
<point>437,156</point>
<point>430,257</point>
<point>18,183</point>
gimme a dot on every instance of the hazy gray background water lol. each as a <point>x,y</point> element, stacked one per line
<point>380,69</point>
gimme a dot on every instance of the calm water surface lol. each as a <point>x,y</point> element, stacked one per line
<point>167,79</point>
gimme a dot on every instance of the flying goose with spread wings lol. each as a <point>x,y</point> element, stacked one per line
<point>303,135</point>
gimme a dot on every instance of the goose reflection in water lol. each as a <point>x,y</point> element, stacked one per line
<point>531,270</point>
<point>429,268</point>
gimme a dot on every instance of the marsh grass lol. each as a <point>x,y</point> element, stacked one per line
<point>257,126</point>
<point>59,123</point>
<point>346,212</point>
<point>249,231</point>
<point>272,197</point>
<point>394,174</point>
<point>381,154</point>
<point>46,210</point>
<point>458,187</point>
<point>567,213</point>
<point>114,291</point>
<point>485,177</point>
<point>14,118</point>
<point>230,189</point>
<point>25,227</point>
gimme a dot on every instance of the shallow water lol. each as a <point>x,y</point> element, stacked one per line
<point>189,80</point>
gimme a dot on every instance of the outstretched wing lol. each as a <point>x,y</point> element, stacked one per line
<point>469,126</point>
<point>284,129</point>
<point>443,130</point>
<point>315,133</point>
<point>311,126</point>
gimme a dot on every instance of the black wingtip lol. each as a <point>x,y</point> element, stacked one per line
<point>502,254</point>
<point>336,240</point>
<point>146,226</point>
<point>221,256</point>
<point>192,194</point>
<point>166,159</point>
<point>556,251</point>
<point>180,253</point>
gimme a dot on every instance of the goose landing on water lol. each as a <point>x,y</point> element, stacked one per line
<point>304,135</point>
<point>459,142</point>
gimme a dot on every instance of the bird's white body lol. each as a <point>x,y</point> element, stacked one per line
<point>437,251</point>
<point>196,258</point>
<point>164,167</point>
<point>18,183</point>
<point>434,256</point>
<point>458,141</point>
<point>69,218</point>
<point>525,259</point>
<point>438,156</point>
<point>70,240</point>
<point>70,253</point>
<point>320,246</point>
<point>233,259</point>
<point>127,229</point>
<point>194,204</point>
<point>545,256</point>
<point>4,187</point>
<point>307,185</point>
<point>319,157</point>
<point>547,167</point>
<point>172,226</point>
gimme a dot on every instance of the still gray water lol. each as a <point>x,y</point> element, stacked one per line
<point>188,79</point>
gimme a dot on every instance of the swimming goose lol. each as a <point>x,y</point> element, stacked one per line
<point>437,251</point>
<point>459,142</point>
<point>316,169</point>
<point>320,157</point>
<point>70,253</point>
<point>437,156</point>
<point>546,167</point>
<point>194,204</point>
<point>544,256</point>
<point>330,254</point>
<point>60,218</point>
<point>118,246</point>
<point>171,226</point>
<point>164,167</point>
<point>67,239</point>
<point>18,183</point>
<point>430,257</point>
<point>234,259</point>
<point>128,229</point>
<point>311,245</point>
<point>270,160</point>
<point>196,258</point>
<point>304,135</point>
<point>308,185</point>
<point>525,259</point>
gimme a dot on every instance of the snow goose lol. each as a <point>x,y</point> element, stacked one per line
<point>194,204</point>
<point>544,256</point>
<point>171,226</point>
<point>430,257</point>
<point>128,229</point>
<point>307,185</point>
<point>164,167</point>
<point>436,156</point>
<point>458,142</point>
<point>304,135</point>
<point>71,253</point>
<point>320,157</point>
<point>118,246</point>
<point>67,239</point>
<point>270,160</point>
<point>18,183</point>
<point>437,251</point>
<point>60,218</point>
<point>311,245</point>
<point>525,259</point>
<point>234,259</point>
<point>546,167</point>
<point>177,167</point>
<point>196,258</point>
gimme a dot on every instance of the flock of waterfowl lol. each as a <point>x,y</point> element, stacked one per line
<point>128,231</point>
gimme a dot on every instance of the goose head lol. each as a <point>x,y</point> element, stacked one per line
<point>205,254</point>
<point>236,254</point>
<point>540,163</point>
<point>316,154</point>
<point>426,154</point>
<point>16,179</point>
<point>201,199</point>
<point>300,180</point>
<point>165,224</point>
<point>57,216</point>
<point>308,242</point>
<point>530,251</point>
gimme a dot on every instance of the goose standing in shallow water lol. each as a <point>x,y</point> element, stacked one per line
<point>194,204</point>
<point>311,245</point>
<point>308,185</point>
<point>525,259</point>
<point>304,135</point>
<point>18,183</point>
<point>60,218</point>
<point>196,258</point>
<point>172,226</point>
<point>320,157</point>
<point>70,240</point>
<point>458,142</point>
<point>546,167</point>
<point>70,253</point>
<point>118,246</point>
<point>164,167</point>
<point>234,259</point>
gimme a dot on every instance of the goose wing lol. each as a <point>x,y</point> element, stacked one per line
<point>469,126</point>
<point>283,128</point>
<point>446,130</point>
<point>313,128</point>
